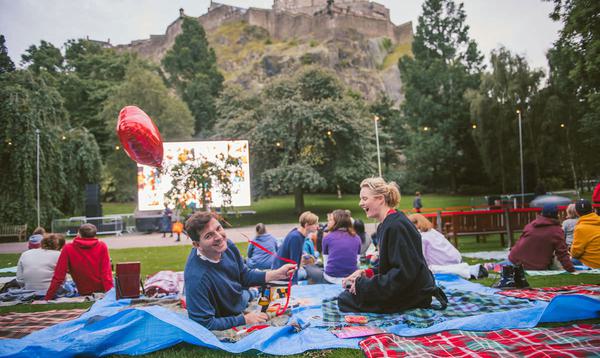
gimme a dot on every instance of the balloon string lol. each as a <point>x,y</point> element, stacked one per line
<point>280,310</point>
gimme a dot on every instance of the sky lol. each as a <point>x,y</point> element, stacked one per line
<point>522,26</point>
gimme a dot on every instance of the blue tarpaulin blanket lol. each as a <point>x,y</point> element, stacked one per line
<point>113,327</point>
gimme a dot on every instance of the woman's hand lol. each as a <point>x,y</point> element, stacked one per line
<point>350,282</point>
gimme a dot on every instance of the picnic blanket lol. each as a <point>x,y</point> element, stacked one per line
<point>573,341</point>
<point>548,293</point>
<point>460,304</point>
<point>580,270</point>
<point>114,327</point>
<point>17,325</point>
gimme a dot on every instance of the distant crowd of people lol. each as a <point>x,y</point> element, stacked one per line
<point>388,271</point>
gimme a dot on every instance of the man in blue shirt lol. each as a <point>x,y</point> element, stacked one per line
<point>293,243</point>
<point>216,278</point>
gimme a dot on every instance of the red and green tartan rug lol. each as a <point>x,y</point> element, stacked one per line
<point>548,293</point>
<point>572,341</point>
<point>17,325</point>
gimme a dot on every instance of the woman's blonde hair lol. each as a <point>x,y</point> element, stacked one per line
<point>421,222</point>
<point>390,191</point>
<point>571,212</point>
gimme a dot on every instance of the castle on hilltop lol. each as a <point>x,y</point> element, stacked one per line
<point>287,19</point>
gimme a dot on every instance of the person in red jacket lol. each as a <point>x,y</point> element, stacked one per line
<point>87,260</point>
<point>541,239</point>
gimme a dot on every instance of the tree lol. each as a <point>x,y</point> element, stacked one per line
<point>192,68</point>
<point>446,63</point>
<point>46,57</point>
<point>392,135</point>
<point>509,86</point>
<point>145,89</point>
<point>27,104</point>
<point>6,64</point>
<point>575,60</point>
<point>312,137</point>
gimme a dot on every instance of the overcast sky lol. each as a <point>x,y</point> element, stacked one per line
<point>523,26</point>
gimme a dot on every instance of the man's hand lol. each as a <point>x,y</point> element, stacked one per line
<point>282,273</point>
<point>255,317</point>
<point>349,282</point>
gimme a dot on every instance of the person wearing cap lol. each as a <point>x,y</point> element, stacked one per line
<point>586,237</point>
<point>217,280</point>
<point>35,240</point>
<point>87,260</point>
<point>542,239</point>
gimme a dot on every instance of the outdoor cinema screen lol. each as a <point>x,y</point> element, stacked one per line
<point>152,186</point>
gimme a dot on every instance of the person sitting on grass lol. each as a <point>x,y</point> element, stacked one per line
<point>568,225</point>
<point>217,280</point>
<point>437,250</point>
<point>36,266</point>
<point>341,248</point>
<point>293,244</point>
<point>542,239</point>
<point>402,281</point>
<point>87,260</point>
<point>257,258</point>
<point>586,236</point>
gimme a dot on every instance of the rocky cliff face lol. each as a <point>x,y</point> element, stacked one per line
<point>248,56</point>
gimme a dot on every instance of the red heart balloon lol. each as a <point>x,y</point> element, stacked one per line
<point>140,137</point>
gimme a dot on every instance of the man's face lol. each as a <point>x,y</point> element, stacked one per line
<point>213,239</point>
<point>311,228</point>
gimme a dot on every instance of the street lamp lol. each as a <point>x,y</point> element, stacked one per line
<point>375,119</point>
<point>521,156</point>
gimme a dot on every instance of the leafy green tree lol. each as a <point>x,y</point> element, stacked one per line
<point>145,89</point>
<point>238,113</point>
<point>6,64</point>
<point>27,104</point>
<point>575,60</point>
<point>441,152</point>
<point>43,57</point>
<point>510,85</point>
<point>312,137</point>
<point>192,68</point>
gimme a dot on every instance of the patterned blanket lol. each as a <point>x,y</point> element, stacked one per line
<point>460,304</point>
<point>572,341</point>
<point>17,325</point>
<point>548,293</point>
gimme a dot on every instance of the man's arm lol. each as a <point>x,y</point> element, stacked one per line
<point>106,272</point>
<point>248,277</point>
<point>563,255</point>
<point>579,242</point>
<point>201,309</point>
<point>60,271</point>
<point>20,280</point>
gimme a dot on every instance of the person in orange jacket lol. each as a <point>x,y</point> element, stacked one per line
<point>586,236</point>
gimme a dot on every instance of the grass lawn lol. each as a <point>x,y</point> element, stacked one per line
<point>154,259</point>
<point>280,209</point>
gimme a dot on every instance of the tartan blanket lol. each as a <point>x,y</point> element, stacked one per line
<point>460,304</point>
<point>572,341</point>
<point>17,325</point>
<point>548,293</point>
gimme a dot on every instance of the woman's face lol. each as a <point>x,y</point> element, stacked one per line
<point>371,203</point>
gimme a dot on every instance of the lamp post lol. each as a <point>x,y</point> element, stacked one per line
<point>521,157</point>
<point>37,140</point>
<point>375,119</point>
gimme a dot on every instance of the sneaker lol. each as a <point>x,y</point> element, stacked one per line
<point>507,279</point>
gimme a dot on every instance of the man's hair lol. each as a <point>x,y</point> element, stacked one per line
<point>52,242</point>
<point>421,222</point>
<point>87,230</point>
<point>343,221</point>
<point>39,231</point>
<point>308,218</point>
<point>260,229</point>
<point>196,223</point>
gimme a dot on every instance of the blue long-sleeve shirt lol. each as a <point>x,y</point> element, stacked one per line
<point>291,248</point>
<point>259,259</point>
<point>213,291</point>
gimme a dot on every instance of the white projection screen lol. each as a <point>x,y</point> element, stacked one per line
<point>152,186</point>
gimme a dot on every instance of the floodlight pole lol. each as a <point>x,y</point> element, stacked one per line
<point>37,139</point>
<point>521,156</point>
<point>375,119</point>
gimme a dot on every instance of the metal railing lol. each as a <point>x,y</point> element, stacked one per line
<point>110,224</point>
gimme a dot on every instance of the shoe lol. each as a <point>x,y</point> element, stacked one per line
<point>483,272</point>
<point>520,280</point>
<point>507,279</point>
